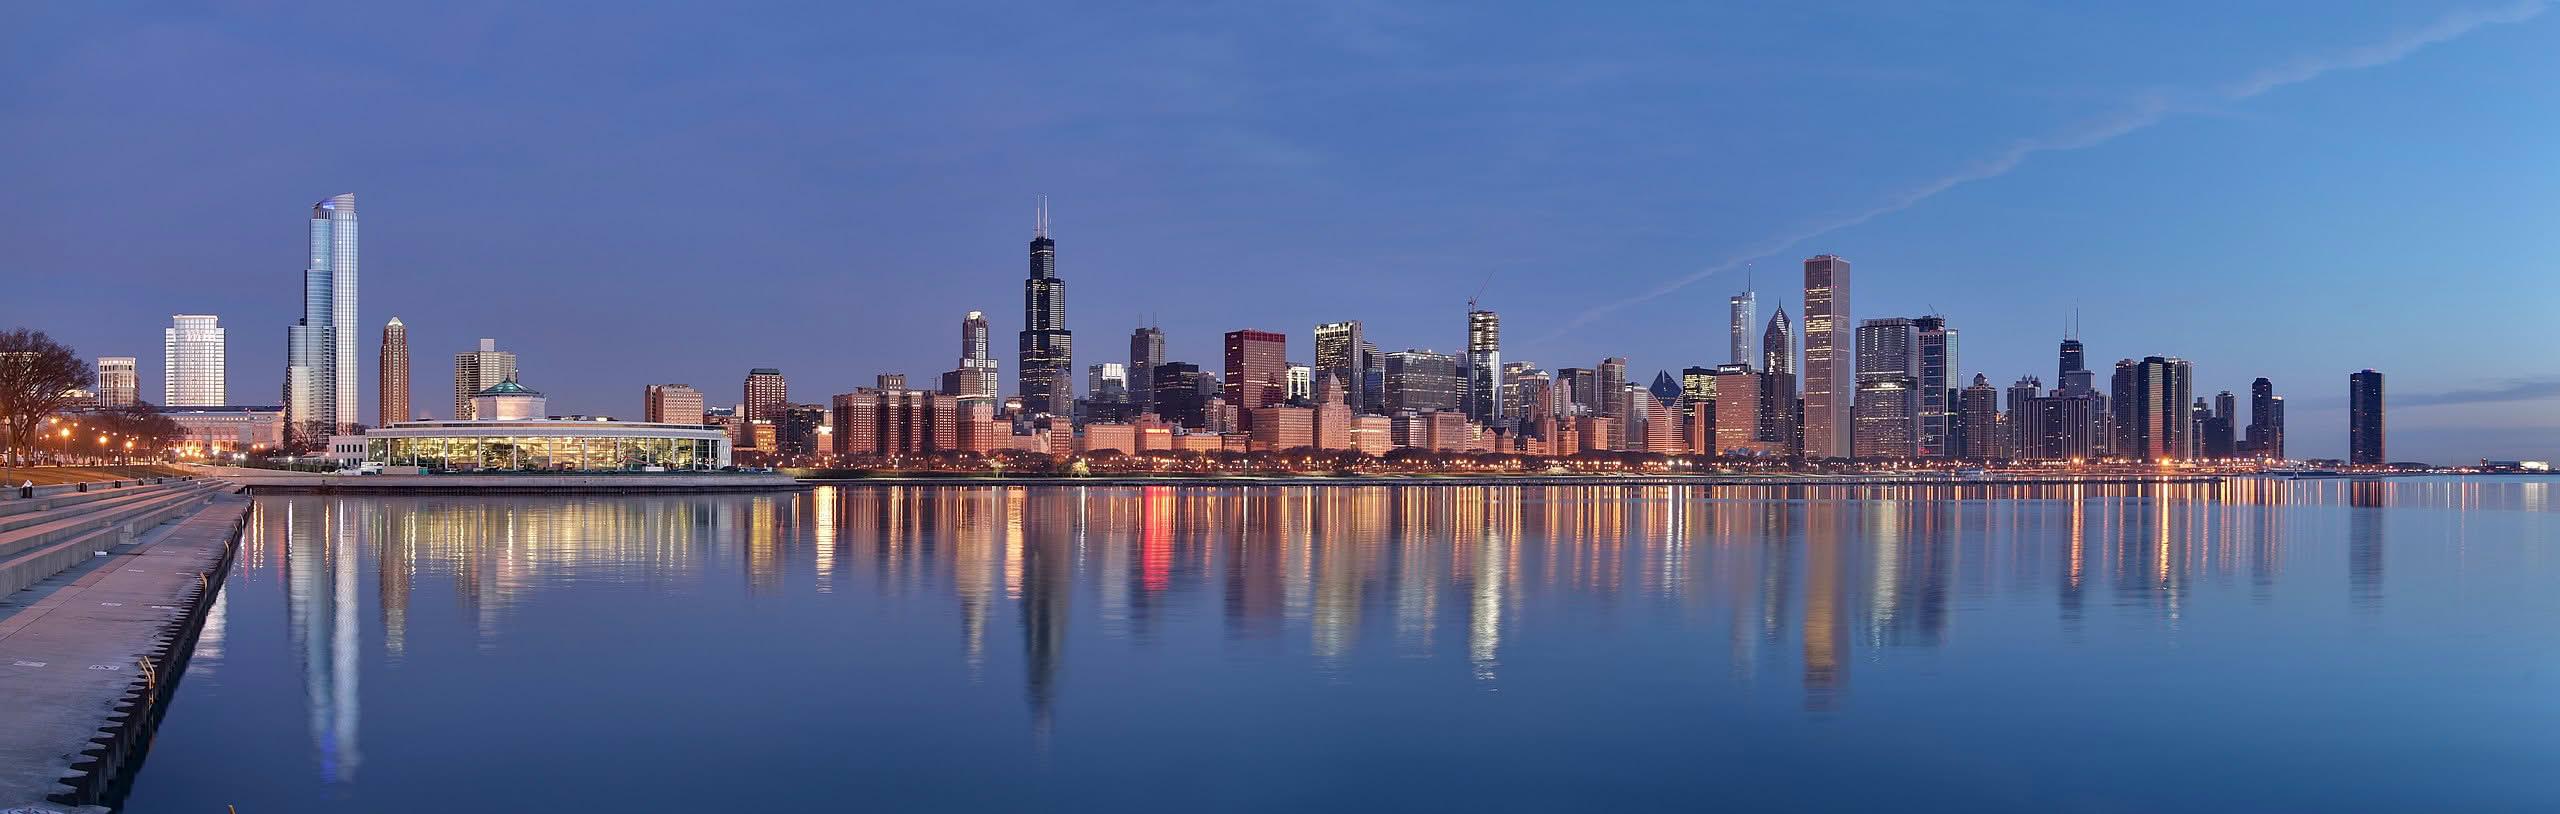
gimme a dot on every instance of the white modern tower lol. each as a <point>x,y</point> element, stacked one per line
<point>321,371</point>
<point>1746,317</point>
<point>191,352</point>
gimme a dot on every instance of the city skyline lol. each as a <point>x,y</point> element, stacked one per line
<point>1129,258</point>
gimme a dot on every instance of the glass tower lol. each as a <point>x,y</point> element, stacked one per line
<point>320,349</point>
<point>1484,367</point>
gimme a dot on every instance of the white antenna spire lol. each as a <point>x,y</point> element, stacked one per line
<point>1040,220</point>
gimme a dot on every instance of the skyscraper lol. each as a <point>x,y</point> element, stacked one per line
<point>1484,366</point>
<point>1581,390</point>
<point>1373,377</point>
<point>391,394</point>
<point>1257,364</point>
<point>1778,344</point>
<point>765,391</point>
<point>1827,357</point>
<point>2364,418</point>
<point>1107,383</point>
<point>2020,399</point>
<point>1146,352</point>
<point>1980,406</point>
<point>476,371</point>
<point>1613,386</point>
<point>2161,409</point>
<point>1523,385</point>
<point>191,352</point>
<point>1697,384</point>
<point>1937,365</point>
<point>1338,353</point>
<point>1421,380</point>
<point>978,379</point>
<point>2076,382</point>
<point>2120,410</point>
<point>1047,365</point>
<point>1667,389</point>
<point>320,350</point>
<point>1177,387</point>
<point>1886,414</point>
<point>1746,313</point>
<point>1300,384</point>
<point>671,404</point>
<point>2218,438</point>
<point>2266,421</point>
<point>118,384</point>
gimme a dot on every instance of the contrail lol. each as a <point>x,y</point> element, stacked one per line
<point>2144,111</point>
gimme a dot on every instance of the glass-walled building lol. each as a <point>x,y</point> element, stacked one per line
<point>511,434</point>
<point>570,446</point>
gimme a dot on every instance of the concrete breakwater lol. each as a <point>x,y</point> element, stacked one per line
<point>90,658</point>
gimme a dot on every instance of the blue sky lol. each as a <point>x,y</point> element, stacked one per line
<point>637,193</point>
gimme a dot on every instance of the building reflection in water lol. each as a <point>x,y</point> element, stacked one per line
<point>1801,582</point>
<point>2366,498</point>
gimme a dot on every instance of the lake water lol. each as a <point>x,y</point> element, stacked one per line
<point>2257,645</point>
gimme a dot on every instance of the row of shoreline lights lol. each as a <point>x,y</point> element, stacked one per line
<point>65,435</point>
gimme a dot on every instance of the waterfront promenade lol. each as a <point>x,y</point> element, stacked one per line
<point>89,655</point>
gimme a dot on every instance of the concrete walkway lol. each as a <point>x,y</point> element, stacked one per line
<point>85,654</point>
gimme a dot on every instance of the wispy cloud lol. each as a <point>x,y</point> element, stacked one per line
<point>2139,113</point>
<point>2509,390</point>
<point>2528,388</point>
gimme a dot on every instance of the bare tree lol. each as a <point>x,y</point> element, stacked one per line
<point>38,378</point>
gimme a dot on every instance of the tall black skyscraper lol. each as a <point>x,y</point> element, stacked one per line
<point>1046,369</point>
<point>2266,420</point>
<point>1177,387</point>
<point>1146,351</point>
<point>2364,418</point>
<point>2073,361</point>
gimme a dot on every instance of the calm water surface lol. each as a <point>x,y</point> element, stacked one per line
<point>2257,645</point>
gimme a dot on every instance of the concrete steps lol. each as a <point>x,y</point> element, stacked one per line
<point>13,501</point>
<point>56,539</point>
<point>48,509</point>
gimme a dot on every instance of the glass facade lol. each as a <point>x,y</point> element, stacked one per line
<point>560,453</point>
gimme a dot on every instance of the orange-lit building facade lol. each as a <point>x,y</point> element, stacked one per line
<point>896,422</point>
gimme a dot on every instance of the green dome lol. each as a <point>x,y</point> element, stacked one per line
<point>508,388</point>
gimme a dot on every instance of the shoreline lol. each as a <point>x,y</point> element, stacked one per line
<point>1504,480</point>
<point>263,481</point>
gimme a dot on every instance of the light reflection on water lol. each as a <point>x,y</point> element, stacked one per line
<point>1130,623</point>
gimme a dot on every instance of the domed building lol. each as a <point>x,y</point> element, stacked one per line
<point>511,430</point>
<point>509,400</point>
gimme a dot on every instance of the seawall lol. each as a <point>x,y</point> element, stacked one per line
<point>268,480</point>
<point>90,659</point>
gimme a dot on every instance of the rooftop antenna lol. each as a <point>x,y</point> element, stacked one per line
<point>1040,220</point>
